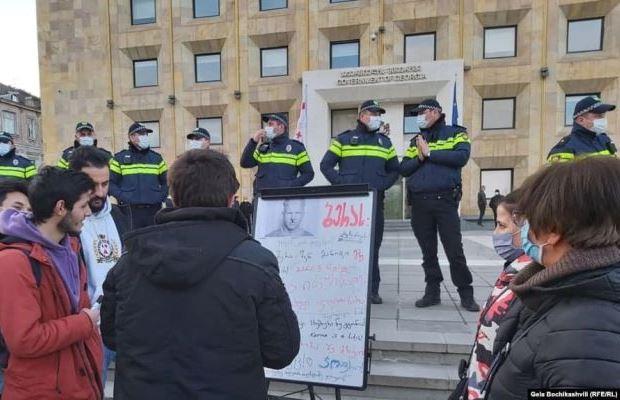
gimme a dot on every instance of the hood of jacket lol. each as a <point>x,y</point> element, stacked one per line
<point>186,245</point>
<point>587,273</point>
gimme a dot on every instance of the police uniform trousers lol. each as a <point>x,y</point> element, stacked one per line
<point>379,224</point>
<point>433,213</point>
<point>140,215</point>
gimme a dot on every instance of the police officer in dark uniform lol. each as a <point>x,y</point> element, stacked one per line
<point>432,166</point>
<point>13,166</point>
<point>84,136</point>
<point>364,155</point>
<point>281,161</point>
<point>589,134</point>
<point>138,178</point>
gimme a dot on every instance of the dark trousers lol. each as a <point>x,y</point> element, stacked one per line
<point>439,213</point>
<point>141,215</point>
<point>379,223</point>
<point>481,214</point>
<point>494,215</point>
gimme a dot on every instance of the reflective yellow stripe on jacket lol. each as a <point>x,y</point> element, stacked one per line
<point>134,169</point>
<point>446,144</point>
<point>347,150</point>
<point>18,172</point>
<point>565,157</point>
<point>294,160</point>
<point>62,163</point>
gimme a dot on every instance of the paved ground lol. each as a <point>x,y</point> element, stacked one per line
<point>403,282</point>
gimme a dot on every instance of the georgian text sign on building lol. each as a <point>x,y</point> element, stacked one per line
<point>381,75</point>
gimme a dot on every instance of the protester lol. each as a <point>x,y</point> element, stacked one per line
<point>84,136</point>
<point>199,138</point>
<point>482,204</point>
<point>365,155</point>
<point>13,166</point>
<point>281,161</point>
<point>138,178</point>
<point>102,234</point>
<point>14,194</point>
<point>588,136</point>
<point>195,308</point>
<point>432,165</point>
<point>569,330</point>
<point>507,244</point>
<point>49,328</point>
<point>494,203</point>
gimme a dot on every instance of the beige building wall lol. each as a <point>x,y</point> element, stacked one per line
<point>86,50</point>
<point>27,137</point>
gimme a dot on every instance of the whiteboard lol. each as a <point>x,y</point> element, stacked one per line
<point>324,251</point>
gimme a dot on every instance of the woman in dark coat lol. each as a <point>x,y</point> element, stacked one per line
<point>567,334</point>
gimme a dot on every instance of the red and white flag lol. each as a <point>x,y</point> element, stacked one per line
<point>302,122</point>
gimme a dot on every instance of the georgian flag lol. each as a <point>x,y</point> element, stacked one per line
<point>302,122</point>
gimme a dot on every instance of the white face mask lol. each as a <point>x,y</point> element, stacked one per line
<point>270,133</point>
<point>5,148</point>
<point>86,141</point>
<point>194,144</point>
<point>374,123</point>
<point>421,121</point>
<point>144,142</point>
<point>599,125</point>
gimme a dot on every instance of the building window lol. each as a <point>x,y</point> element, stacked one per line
<point>344,54</point>
<point>420,47</point>
<point>9,122</point>
<point>208,68</point>
<point>142,12</point>
<point>266,5</point>
<point>145,73</point>
<point>569,105</point>
<point>153,136</point>
<point>410,125</point>
<point>32,129</point>
<point>585,35</point>
<point>500,42</point>
<point>206,8</point>
<point>214,126</point>
<point>274,62</point>
<point>496,179</point>
<point>343,120</point>
<point>498,113</point>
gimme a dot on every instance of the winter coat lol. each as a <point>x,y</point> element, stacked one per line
<point>195,309</point>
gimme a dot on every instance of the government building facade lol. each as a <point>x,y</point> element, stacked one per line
<point>511,69</point>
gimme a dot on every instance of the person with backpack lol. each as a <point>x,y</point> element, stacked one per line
<point>48,326</point>
<point>195,308</point>
<point>567,333</point>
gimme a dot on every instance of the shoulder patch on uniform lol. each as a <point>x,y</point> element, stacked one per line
<point>289,148</point>
<point>15,162</point>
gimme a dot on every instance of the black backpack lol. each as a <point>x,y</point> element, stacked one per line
<point>38,275</point>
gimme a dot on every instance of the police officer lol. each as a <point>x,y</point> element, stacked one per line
<point>199,138</point>
<point>588,136</point>
<point>13,166</point>
<point>432,165</point>
<point>84,136</point>
<point>138,178</point>
<point>281,161</point>
<point>365,155</point>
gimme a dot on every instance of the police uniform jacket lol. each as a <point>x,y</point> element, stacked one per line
<point>580,143</point>
<point>283,162</point>
<point>138,177</point>
<point>362,156</point>
<point>13,166</point>
<point>65,159</point>
<point>441,172</point>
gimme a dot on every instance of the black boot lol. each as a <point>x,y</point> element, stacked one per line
<point>432,296</point>
<point>467,299</point>
<point>376,299</point>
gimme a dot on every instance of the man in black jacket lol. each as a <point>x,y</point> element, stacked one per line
<point>195,308</point>
<point>482,203</point>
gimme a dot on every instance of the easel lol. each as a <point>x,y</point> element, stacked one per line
<point>337,390</point>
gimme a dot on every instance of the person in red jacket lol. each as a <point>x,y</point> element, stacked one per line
<point>49,328</point>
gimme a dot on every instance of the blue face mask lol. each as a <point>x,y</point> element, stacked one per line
<point>533,250</point>
<point>504,247</point>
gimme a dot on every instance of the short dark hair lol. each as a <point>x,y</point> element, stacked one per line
<point>11,186</point>
<point>580,201</point>
<point>202,178</point>
<point>88,156</point>
<point>510,202</point>
<point>52,184</point>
